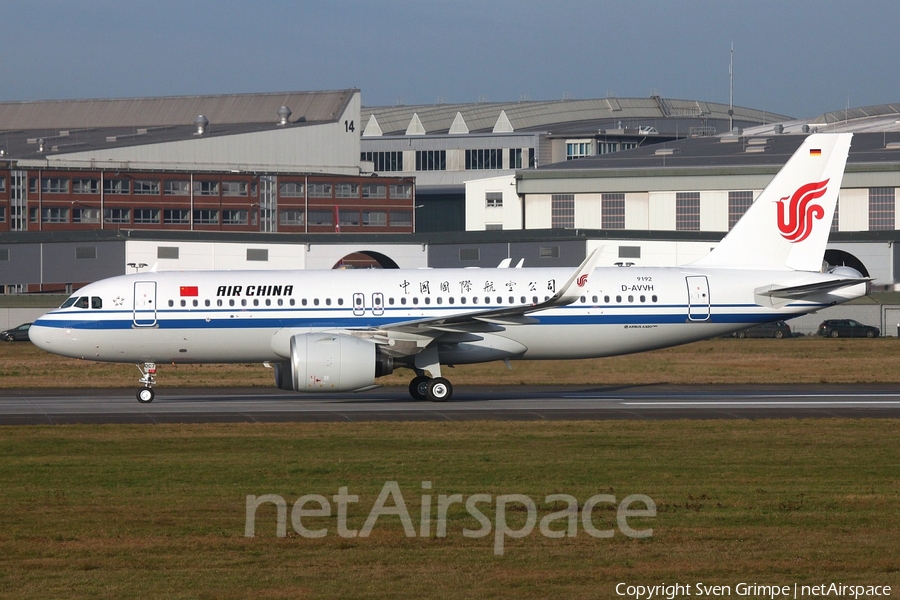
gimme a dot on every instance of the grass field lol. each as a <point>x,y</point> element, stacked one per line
<point>159,511</point>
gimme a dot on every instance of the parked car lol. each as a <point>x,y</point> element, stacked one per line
<point>16,334</point>
<point>847,328</point>
<point>778,329</point>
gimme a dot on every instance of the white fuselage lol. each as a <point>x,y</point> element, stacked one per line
<point>249,316</point>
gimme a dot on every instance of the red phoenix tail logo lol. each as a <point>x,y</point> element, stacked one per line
<point>582,280</point>
<point>797,223</point>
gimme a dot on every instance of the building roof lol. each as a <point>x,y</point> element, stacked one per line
<point>172,110</point>
<point>771,150</point>
<point>77,125</point>
<point>555,114</point>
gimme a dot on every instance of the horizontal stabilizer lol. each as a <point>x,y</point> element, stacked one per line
<point>775,295</point>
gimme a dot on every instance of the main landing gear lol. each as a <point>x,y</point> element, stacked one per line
<point>148,378</point>
<point>435,389</point>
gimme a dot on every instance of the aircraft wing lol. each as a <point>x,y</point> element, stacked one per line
<point>494,319</point>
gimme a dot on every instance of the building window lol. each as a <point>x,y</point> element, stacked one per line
<point>481,159</point>
<point>290,217</point>
<point>4,254</point>
<point>612,211</point>
<point>258,254</point>
<point>467,254</point>
<point>607,147</point>
<point>55,185</point>
<point>628,145</point>
<point>401,218</point>
<point>549,252</point>
<point>85,252</point>
<point>687,211</point>
<point>234,188</point>
<point>206,188</point>
<point>579,149</point>
<point>86,215</point>
<point>384,161</point>
<point>320,190</point>
<point>493,226</point>
<point>493,200</point>
<point>374,190</point>
<point>881,209</point>
<point>55,215</point>
<point>346,190</point>
<point>349,217</point>
<point>374,218</point>
<point>117,215</point>
<point>2,214</point>
<point>177,216</point>
<point>562,211</point>
<point>738,203</point>
<point>515,158</point>
<point>116,186</point>
<point>629,251</point>
<point>85,186</point>
<point>321,217</point>
<point>2,183</point>
<point>401,190</point>
<point>168,252</point>
<point>431,160</point>
<point>177,188</point>
<point>291,189</point>
<point>146,216</point>
<point>146,187</point>
<point>235,217</point>
<point>206,217</point>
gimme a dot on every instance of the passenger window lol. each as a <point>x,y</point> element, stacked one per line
<point>183,303</point>
<point>171,303</point>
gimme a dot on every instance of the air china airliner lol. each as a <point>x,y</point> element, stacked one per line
<point>338,331</point>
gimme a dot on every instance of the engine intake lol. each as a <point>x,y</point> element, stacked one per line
<point>330,362</point>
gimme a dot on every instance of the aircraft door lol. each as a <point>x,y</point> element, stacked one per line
<point>378,304</point>
<point>698,298</point>
<point>144,303</point>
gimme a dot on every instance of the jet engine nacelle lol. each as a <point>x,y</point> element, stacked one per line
<point>331,362</point>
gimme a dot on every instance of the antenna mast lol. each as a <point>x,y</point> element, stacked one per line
<point>731,90</point>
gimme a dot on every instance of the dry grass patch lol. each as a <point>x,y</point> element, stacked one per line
<point>801,360</point>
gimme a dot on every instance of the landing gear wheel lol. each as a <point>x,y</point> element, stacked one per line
<point>145,395</point>
<point>418,387</point>
<point>439,390</point>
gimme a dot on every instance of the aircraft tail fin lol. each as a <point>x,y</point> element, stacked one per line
<point>787,226</point>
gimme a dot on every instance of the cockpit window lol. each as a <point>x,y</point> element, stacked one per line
<point>69,301</point>
<point>96,302</point>
<point>82,302</point>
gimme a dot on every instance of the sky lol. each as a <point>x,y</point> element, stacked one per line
<point>791,57</point>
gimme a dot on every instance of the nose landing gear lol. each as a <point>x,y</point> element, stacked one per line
<point>148,378</point>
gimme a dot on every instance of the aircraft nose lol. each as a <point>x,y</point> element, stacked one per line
<point>41,335</point>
